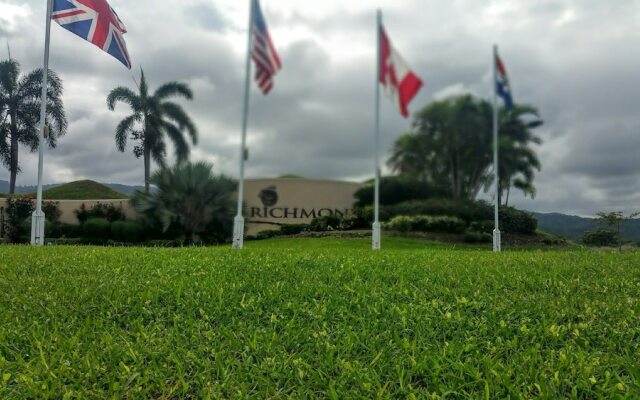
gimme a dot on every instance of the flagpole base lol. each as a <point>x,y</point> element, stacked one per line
<point>238,233</point>
<point>497,241</point>
<point>376,236</point>
<point>37,228</point>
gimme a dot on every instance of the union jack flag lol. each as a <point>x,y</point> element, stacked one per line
<point>96,22</point>
<point>263,52</point>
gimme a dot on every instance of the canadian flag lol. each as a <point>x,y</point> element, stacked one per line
<point>400,83</point>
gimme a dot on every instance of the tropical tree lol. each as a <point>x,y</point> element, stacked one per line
<point>20,100</point>
<point>451,145</point>
<point>154,117</point>
<point>190,202</point>
<point>518,161</point>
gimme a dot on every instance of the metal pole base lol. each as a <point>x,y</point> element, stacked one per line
<point>37,228</point>
<point>497,241</point>
<point>376,237</point>
<point>238,232</point>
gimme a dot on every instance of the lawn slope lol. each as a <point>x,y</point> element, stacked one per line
<point>318,323</point>
<point>82,190</point>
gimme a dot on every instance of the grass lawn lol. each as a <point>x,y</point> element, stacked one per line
<point>318,319</point>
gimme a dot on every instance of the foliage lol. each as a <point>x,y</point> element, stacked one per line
<point>472,236</point>
<point>20,99</point>
<point>190,202</point>
<point>397,189</point>
<point>276,323</point>
<point>615,220</point>
<point>82,190</point>
<point>51,211</point>
<point>601,238</point>
<point>18,210</point>
<point>96,228</point>
<point>517,221</point>
<point>127,231</point>
<point>451,147</point>
<point>426,223</point>
<point>106,211</point>
<point>293,229</point>
<point>154,118</point>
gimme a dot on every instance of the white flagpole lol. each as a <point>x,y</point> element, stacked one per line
<point>497,240</point>
<point>38,217</point>
<point>238,222</point>
<point>377,229</point>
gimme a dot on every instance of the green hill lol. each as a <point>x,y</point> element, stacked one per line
<point>82,190</point>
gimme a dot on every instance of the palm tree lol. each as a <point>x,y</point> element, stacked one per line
<point>153,118</point>
<point>190,202</point>
<point>20,99</point>
<point>518,161</point>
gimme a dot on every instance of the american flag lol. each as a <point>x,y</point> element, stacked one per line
<point>263,52</point>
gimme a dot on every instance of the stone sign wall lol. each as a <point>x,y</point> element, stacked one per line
<point>269,203</point>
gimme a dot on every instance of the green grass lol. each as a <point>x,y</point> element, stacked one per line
<point>318,321</point>
<point>82,190</point>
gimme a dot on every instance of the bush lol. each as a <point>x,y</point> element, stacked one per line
<point>18,209</point>
<point>70,231</point>
<point>478,237</point>
<point>601,238</point>
<point>517,221</point>
<point>127,231</point>
<point>268,234</point>
<point>396,189</point>
<point>324,224</point>
<point>290,230</point>
<point>106,211</point>
<point>482,226</point>
<point>401,224</point>
<point>96,228</point>
<point>51,211</point>
<point>425,223</point>
<point>189,202</point>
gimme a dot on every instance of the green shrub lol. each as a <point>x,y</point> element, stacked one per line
<point>290,230</point>
<point>517,221</point>
<point>106,211</point>
<point>400,223</point>
<point>397,189</point>
<point>51,211</point>
<point>96,228</point>
<point>268,234</point>
<point>426,223</point>
<point>478,237</point>
<point>127,231</point>
<point>482,226</point>
<point>18,209</point>
<point>601,238</point>
<point>70,231</point>
<point>324,224</point>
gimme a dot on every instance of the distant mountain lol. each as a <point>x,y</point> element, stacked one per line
<point>573,227</point>
<point>124,189</point>
<point>4,187</point>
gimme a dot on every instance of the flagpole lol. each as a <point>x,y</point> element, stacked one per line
<point>497,245</point>
<point>38,217</point>
<point>377,229</point>
<point>238,222</point>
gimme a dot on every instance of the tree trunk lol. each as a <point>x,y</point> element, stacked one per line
<point>147,167</point>
<point>13,162</point>
<point>506,203</point>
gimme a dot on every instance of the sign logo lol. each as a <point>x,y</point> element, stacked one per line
<point>269,196</point>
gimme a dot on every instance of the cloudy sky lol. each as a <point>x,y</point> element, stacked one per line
<point>578,61</point>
